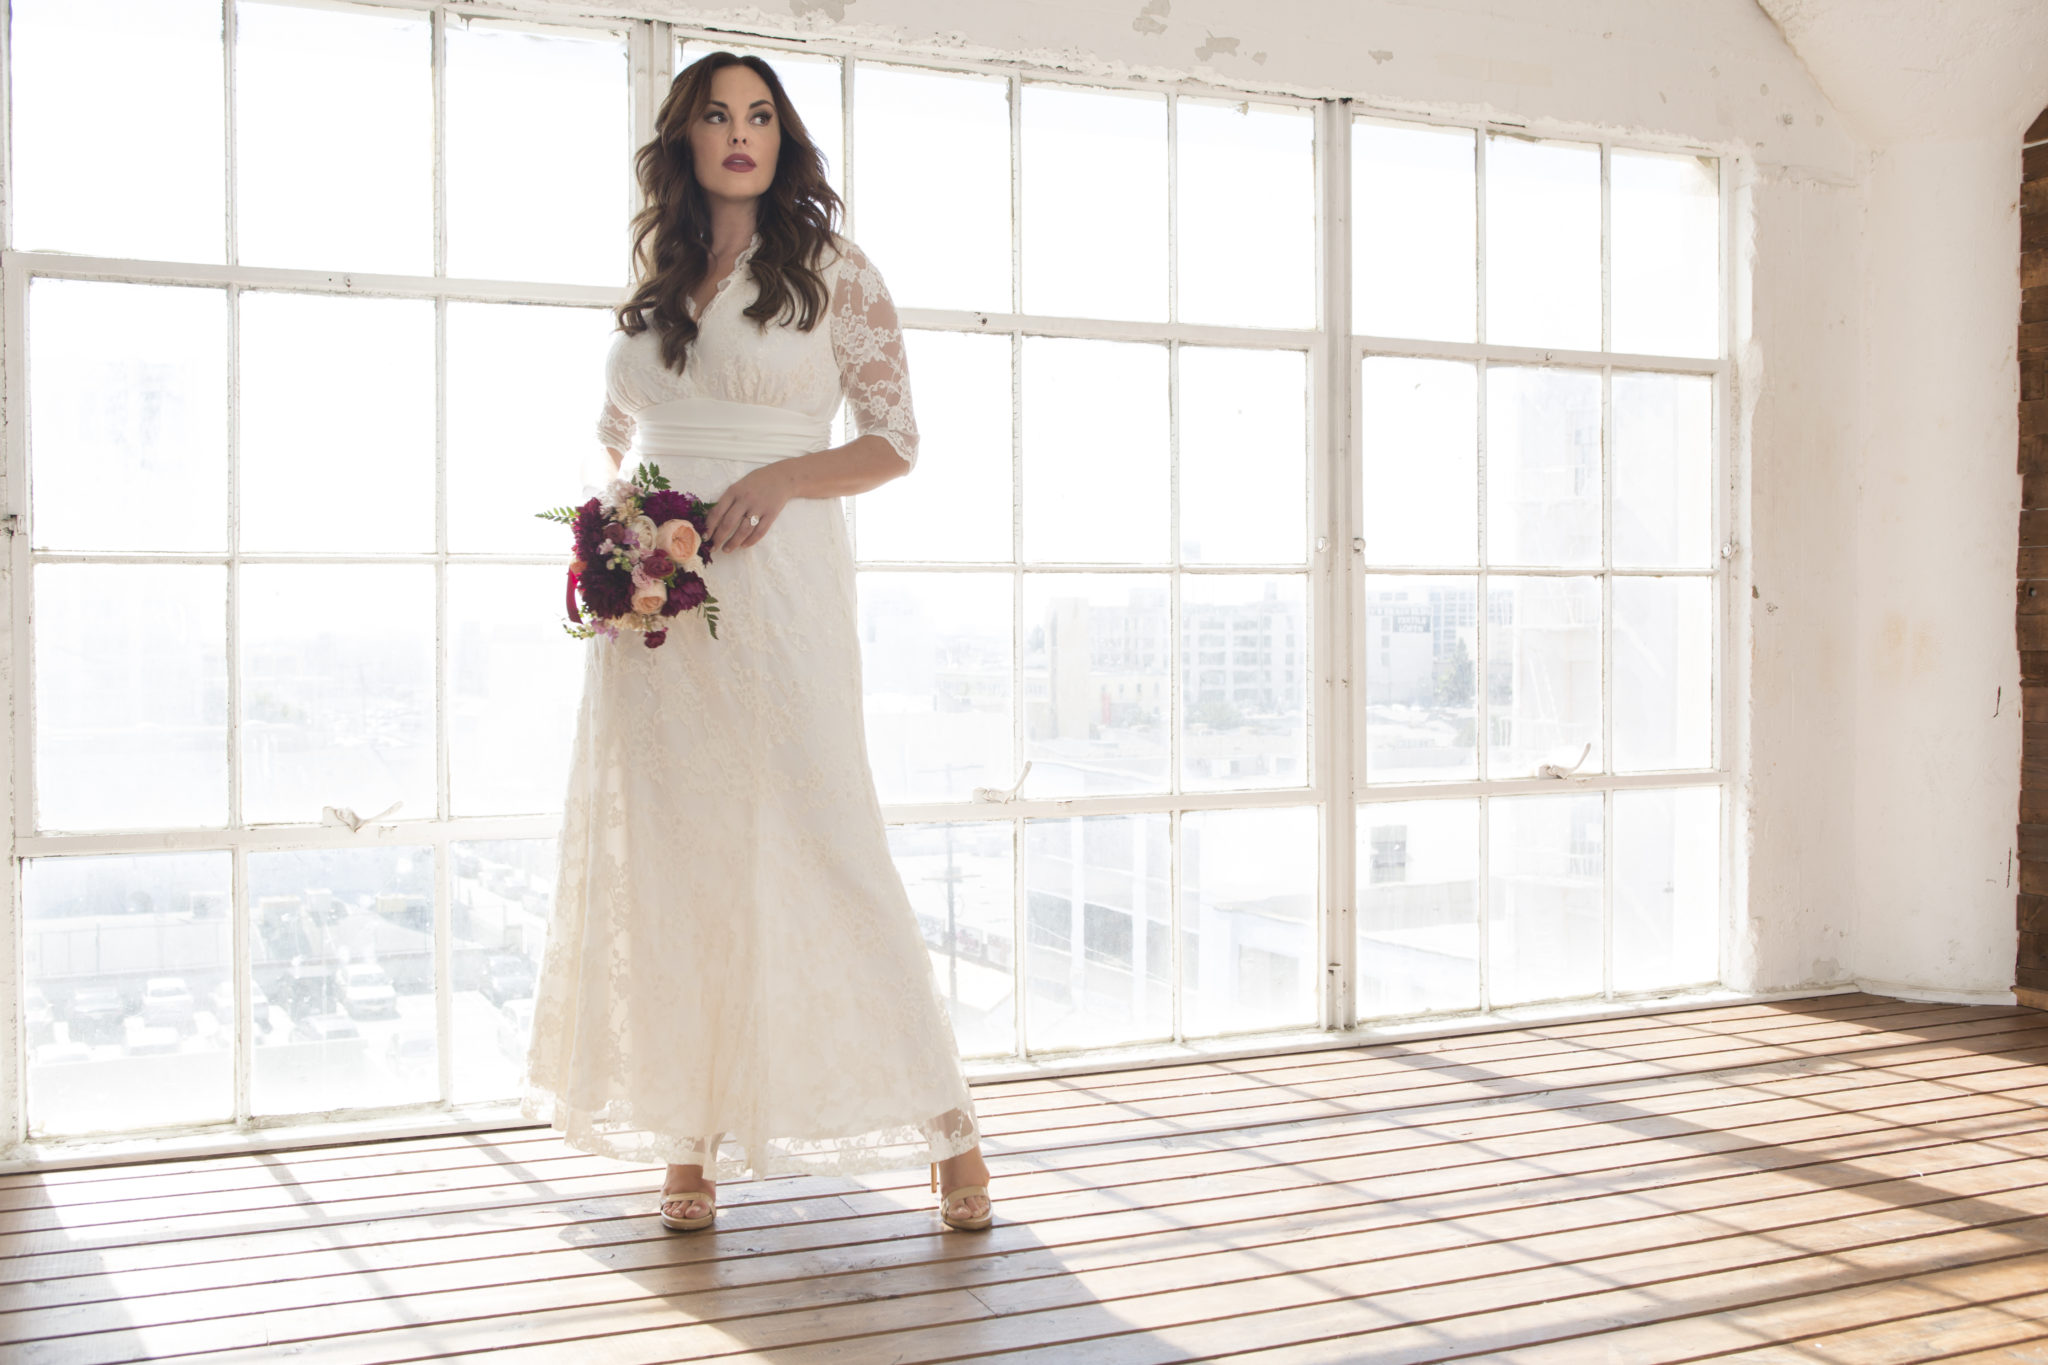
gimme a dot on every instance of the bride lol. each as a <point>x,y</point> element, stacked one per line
<point>734,980</point>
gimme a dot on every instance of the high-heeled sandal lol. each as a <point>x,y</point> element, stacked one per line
<point>947,1200</point>
<point>684,1197</point>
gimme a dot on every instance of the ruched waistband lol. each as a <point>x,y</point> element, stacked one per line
<point>713,428</point>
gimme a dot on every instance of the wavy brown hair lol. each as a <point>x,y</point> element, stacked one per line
<point>672,232</point>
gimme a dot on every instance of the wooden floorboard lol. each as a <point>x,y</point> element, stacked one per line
<point>1845,1179</point>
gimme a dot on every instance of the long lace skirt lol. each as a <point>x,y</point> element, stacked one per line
<point>733,976</point>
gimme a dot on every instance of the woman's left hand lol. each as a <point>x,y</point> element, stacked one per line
<point>759,493</point>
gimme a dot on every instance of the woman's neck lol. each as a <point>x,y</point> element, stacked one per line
<point>732,226</point>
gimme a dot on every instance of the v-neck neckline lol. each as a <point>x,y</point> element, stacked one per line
<point>739,263</point>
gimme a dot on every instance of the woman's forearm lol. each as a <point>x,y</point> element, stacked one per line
<point>842,471</point>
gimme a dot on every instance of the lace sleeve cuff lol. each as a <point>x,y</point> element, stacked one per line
<point>615,428</point>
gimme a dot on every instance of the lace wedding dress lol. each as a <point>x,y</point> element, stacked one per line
<point>733,976</point>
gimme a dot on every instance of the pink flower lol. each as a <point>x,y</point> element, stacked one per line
<point>649,600</point>
<point>677,538</point>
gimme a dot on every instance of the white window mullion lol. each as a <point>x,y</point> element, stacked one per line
<point>241,951</point>
<point>444,987</point>
<point>846,79</point>
<point>1607,677</point>
<point>1020,975</point>
<point>20,563</point>
<point>1482,893</point>
<point>1331,630</point>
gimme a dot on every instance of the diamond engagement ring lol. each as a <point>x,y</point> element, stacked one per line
<point>753,518</point>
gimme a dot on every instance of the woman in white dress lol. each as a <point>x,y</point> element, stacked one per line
<point>734,980</point>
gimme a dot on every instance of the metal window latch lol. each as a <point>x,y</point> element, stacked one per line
<point>1552,770</point>
<point>1730,548</point>
<point>997,794</point>
<point>350,821</point>
<point>1322,544</point>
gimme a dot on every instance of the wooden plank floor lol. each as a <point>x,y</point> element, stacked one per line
<point>1842,1179</point>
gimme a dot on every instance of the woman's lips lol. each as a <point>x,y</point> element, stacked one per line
<point>736,162</point>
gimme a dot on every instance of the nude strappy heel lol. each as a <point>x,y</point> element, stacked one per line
<point>684,1197</point>
<point>947,1200</point>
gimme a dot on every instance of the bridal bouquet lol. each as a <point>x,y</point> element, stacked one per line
<point>640,550</point>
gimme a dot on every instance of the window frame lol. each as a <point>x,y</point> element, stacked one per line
<point>1334,651</point>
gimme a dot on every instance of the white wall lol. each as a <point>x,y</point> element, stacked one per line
<point>1873,610</point>
<point>1942,92</point>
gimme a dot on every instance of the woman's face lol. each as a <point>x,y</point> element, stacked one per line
<point>735,140</point>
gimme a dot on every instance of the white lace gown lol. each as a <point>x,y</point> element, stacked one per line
<point>733,976</point>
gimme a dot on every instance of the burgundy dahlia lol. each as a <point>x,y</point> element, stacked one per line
<point>589,529</point>
<point>686,592</point>
<point>665,505</point>
<point>607,591</point>
<point>655,637</point>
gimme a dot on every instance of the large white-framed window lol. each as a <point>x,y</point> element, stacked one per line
<point>273,557</point>
<point>1539,579</point>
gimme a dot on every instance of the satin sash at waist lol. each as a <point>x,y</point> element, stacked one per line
<point>712,428</point>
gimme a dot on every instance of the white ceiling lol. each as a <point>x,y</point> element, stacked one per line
<point>1906,69</point>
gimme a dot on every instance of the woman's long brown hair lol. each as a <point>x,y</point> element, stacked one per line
<point>672,232</point>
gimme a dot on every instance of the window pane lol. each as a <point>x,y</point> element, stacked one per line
<point>935,662</point>
<point>1663,673</point>
<point>523,382</point>
<point>514,680</point>
<point>337,423</point>
<point>1665,262</point>
<point>1244,681</point>
<point>341,949</point>
<point>1542,466</point>
<point>1242,411</point>
<point>1106,151</point>
<point>130,1000</point>
<point>1414,233</point>
<point>1248,919</point>
<point>334,119</point>
<point>1421,651</point>
<point>504,891</point>
<point>1421,456</point>
<point>337,689</point>
<point>1099,951</point>
<point>1225,150</point>
<point>127,424</point>
<point>1542,243</point>
<point>131,696</point>
<point>812,84</point>
<point>955,505</point>
<point>1543,939</point>
<point>962,882</point>
<point>1418,907</point>
<point>1667,888</point>
<point>1542,675</point>
<point>77,94</point>
<point>1663,461</point>
<point>1095,451</point>
<point>536,187</point>
<point>906,124</point>
<point>1098,662</point>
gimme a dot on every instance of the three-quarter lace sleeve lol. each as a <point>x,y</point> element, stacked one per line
<point>867,342</point>
<point>614,427</point>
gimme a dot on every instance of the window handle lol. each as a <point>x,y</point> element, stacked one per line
<point>997,794</point>
<point>350,821</point>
